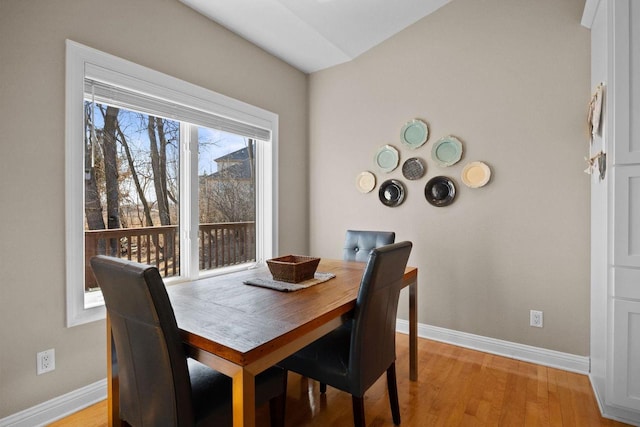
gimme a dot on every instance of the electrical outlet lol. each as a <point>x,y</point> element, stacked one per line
<point>45,361</point>
<point>535,318</point>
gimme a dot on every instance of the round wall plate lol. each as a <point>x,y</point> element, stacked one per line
<point>392,193</point>
<point>414,133</point>
<point>365,182</point>
<point>387,158</point>
<point>440,191</point>
<point>413,168</point>
<point>475,174</point>
<point>447,151</point>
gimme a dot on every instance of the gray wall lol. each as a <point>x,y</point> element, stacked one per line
<point>165,36</point>
<point>511,80</point>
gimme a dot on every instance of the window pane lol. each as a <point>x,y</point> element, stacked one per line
<point>131,188</point>
<point>227,202</point>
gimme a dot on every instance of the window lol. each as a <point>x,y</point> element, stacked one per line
<point>161,172</point>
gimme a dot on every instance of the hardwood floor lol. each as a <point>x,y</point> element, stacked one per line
<point>456,387</point>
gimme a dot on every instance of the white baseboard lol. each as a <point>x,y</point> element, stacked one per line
<point>58,407</point>
<point>74,401</point>
<point>612,412</point>
<point>527,353</point>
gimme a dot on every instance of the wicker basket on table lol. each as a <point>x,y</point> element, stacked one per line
<point>293,268</point>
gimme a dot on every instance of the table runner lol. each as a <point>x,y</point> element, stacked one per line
<point>266,282</point>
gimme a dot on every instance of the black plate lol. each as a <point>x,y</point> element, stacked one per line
<point>413,169</point>
<point>391,193</point>
<point>440,191</point>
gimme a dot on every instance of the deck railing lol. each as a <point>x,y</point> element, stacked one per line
<point>220,245</point>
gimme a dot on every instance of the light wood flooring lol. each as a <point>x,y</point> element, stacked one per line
<point>456,387</point>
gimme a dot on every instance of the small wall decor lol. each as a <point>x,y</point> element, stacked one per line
<point>440,191</point>
<point>597,163</point>
<point>475,174</point>
<point>392,193</point>
<point>594,117</point>
<point>414,133</point>
<point>447,151</point>
<point>365,182</point>
<point>413,168</point>
<point>386,158</point>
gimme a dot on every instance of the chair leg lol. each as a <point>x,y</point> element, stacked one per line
<point>323,388</point>
<point>358,411</point>
<point>392,386</point>
<point>277,405</point>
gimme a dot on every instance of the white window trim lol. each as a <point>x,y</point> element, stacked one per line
<point>80,58</point>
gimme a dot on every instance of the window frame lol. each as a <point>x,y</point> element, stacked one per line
<point>79,59</point>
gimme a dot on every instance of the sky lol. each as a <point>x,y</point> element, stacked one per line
<point>212,143</point>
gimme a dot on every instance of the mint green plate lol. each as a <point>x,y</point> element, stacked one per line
<point>386,158</point>
<point>447,151</point>
<point>414,133</point>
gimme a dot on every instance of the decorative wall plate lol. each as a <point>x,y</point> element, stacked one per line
<point>365,182</point>
<point>414,133</point>
<point>447,151</point>
<point>386,158</point>
<point>475,174</point>
<point>440,191</point>
<point>413,168</point>
<point>391,193</point>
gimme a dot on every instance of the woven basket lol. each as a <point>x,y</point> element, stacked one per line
<point>293,268</point>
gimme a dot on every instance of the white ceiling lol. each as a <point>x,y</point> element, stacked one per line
<point>315,34</point>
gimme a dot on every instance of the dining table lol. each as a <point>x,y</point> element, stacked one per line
<point>241,330</point>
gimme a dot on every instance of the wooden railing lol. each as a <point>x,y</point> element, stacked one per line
<point>220,245</point>
<point>225,244</point>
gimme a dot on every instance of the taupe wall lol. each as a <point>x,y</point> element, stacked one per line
<point>511,80</point>
<point>161,34</point>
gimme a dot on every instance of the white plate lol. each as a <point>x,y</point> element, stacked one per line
<point>365,182</point>
<point>476,174</point>
<point>386,158</point>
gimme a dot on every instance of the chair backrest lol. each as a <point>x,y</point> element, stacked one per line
<point>358,243</point>
<point>152,366</point>
<point>373,336</point>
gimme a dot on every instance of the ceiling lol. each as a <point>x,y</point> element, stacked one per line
<point>312,35</point>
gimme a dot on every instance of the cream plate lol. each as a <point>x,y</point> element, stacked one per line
<point>414,133</point>
<point>386,158</point>
<point>447,151</point>
<point>476,174</point>
<point>365,182</point>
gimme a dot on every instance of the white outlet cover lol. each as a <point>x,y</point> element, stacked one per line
<point>45,361</point>
<point>536,318</point>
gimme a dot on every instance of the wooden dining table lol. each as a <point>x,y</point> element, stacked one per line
<point>241,330</point>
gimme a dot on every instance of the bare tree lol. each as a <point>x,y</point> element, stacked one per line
<point>136,178</point>
<point>109,148</point>
<point>158,150</point>
<point>92,203</point>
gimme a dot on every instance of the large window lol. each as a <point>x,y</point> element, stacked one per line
<point>161,172</point>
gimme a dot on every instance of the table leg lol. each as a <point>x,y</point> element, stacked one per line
<point>113,390</point>
<point>244,399</point>
<point>413,331</point>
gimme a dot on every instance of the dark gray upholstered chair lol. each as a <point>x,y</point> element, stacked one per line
<point>358,243</point>
<point>353,356</point>
<point>159,384</point>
